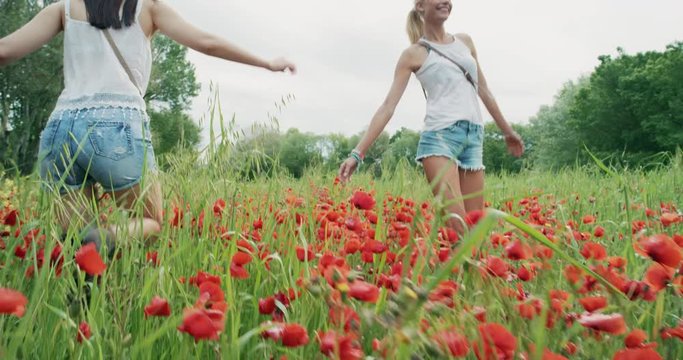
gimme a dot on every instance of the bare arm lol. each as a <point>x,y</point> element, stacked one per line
<point>171,24</point>
<point>408,63</point>
<point>513,140</point>
<point>36,33</point>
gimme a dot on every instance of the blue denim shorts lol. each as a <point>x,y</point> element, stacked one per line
<point>462,142</point>
<point>109,146</point>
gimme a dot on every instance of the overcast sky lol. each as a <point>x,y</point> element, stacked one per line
<point>346,51</point>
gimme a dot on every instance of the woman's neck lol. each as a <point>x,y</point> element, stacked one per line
<point>436,33</point>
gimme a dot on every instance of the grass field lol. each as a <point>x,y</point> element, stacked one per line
<point>299,269</point>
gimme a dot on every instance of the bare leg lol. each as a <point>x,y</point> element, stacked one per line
<point>442,174</point>
<point>472,186</point>
<point>150,225</point>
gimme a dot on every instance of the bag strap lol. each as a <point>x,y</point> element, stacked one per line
<point>468,76</point>
<point>122,61</point>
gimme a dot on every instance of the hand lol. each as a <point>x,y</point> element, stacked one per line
<point>347,168</point>
<point>515,144</point>
<point>281,64</point>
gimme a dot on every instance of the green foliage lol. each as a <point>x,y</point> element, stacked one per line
<point>28,90</point>
<point>172,130</point>
<point>555,144</point>
<point>496,156</point>
<point>173,83</point>
<point>632,104</point>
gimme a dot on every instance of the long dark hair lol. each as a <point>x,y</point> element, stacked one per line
<point>104,14</point>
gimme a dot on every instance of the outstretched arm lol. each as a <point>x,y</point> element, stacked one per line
<point>513,140</point>
<point>406,65</point>
<point>171,24</point>
<point>36,33</point>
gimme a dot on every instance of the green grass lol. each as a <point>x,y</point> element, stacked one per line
<point>120,330</point>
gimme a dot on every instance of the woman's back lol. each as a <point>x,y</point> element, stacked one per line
<point>93,76</point>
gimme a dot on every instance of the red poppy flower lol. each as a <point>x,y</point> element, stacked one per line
<point>659,276</point>
<point>668,219</point>
<point>11,218</point>
<point>202,324</point>
<point>218,207</point>
<point>662,249</point>
<point>637,354</point>
<point>473,217</point>
<point>266,306</point>
<point>238,272</point>
<point>669,333</point>
<point>495,342</point>
<point>453,342</point>
<point>304,254</point>
<point>517,250</point>
<point>12,302</point>
<point>497,266</point>
<point>599,232</point>
<point>362,200</point>
<point>593,303</point>
<point>352,246</point>
<point>362,291</point>
<point>153,257</point>
<point>588,219</point>
<point>83,332</point>
<point>530,309</point>
<point>678,239</point>
<point>525,274</point>
<point>342,347</point>
<point>294,335</point>
<point>636,339</point>
<point>594,251</point>
<point>613,323</point>
<point>89,260</point>
<point>202,277</point>
<point>158,307</point>
<point>214,292</point>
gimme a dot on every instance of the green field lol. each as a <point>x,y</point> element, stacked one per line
<point>416,320</point>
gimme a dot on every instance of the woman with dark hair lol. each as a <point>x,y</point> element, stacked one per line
<point>451,143</point>
<point>99,130</point>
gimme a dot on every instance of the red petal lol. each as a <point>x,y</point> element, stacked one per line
<point>12,302</point>
<point>89,260</point>
<point>637,354</point>
<point>363,291</point>
<point>158,307</point>
<point>613,323</point>
<point>594,303</point>
<point>294,335</point>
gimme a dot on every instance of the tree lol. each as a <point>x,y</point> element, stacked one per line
<point>496,155</point>
<point>555,144</point>
<point>28,90</point>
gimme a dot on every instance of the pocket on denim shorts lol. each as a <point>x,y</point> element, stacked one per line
<point>111,139</point>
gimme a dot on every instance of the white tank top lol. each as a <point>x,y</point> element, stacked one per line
<point>93,76</point>
<point>450,97</point>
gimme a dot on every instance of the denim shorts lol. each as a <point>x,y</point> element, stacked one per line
<point>462,142</point>
<point>110,146</point>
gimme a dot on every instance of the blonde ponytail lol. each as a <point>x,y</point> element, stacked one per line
<point>414,26</point>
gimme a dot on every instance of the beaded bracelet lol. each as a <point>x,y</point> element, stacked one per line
<point>356,155</point>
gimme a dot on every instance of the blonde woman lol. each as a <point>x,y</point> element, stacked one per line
<point>451,143</point>
<point>99,131</point>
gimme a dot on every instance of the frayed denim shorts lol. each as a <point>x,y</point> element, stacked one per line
<point>462,142</point>
<point>111,146</point>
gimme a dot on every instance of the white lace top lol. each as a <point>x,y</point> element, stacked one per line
<point>93,76</point>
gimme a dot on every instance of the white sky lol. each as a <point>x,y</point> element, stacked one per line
<point>346,51</point>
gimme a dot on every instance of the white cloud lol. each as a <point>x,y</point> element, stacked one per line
<point>347,49</point>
